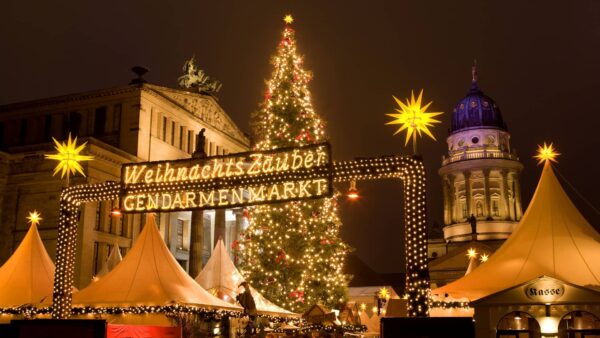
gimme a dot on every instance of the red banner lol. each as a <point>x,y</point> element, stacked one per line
<point>142,331</point>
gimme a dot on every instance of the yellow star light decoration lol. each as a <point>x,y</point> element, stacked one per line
<point>546,153</point>
<point>414,118</point>
<point>471,253</point>
<point>34,217</point>
<point>384,293</point>
<point>484,258</point>
<point>68,157</point>
<point>288,19</point>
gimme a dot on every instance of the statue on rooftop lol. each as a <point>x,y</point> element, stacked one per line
<point>195,78</point>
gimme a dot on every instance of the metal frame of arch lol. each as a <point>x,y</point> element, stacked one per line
<point>408,169</point>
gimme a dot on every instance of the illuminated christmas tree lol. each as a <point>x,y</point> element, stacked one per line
<point>292,252</point>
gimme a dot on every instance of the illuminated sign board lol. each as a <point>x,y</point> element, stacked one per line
<point>544,291</point>
<point>228,181</point>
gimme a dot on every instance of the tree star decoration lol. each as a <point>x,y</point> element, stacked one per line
<point>288,19</point>
<point>546,153</point>
<point>414,118</point>
<point>34,217</point>
<point>68,157</point>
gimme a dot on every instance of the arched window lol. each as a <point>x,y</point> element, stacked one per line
<point>518,324</point>
<point>579,324</point>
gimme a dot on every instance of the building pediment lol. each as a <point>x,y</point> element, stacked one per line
<point>203,107</point>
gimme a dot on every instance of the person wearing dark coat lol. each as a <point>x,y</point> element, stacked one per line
<point>247,301</point>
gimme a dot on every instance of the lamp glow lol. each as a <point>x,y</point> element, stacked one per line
<point>414,118</point>
<point>484,258</point>
<point>546,153</point>
<point>353,191</point>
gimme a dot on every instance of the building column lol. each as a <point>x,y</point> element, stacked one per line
<point>445,186</point>
<point>196,241</point>
<point>468,196</point>
<point>486,189</point>
<point>505,197</point>
<point>220,229</point>
<point>517,192</point>
<point>452,199</point>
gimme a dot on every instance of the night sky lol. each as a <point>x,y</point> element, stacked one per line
<point>540,61</point>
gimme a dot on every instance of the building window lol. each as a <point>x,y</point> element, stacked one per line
<point>117,117</point>
<point>100,121</point>
<point>75,123</point>
<point>97,224</point>
<point>164,129</point>
<point>479,208</point>
<point>180,234</point>
<point>172,133</point>
<point>495,209</point>
<point>95,259</point>
<point>464,209</point>
<point>189,141</point>
<point>47,127</point>
<point>181,136</point>
<point>23,132</point>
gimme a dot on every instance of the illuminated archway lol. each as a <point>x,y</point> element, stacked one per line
<point>579,324</point>
<point>518,324</point>
<point>409,169</point>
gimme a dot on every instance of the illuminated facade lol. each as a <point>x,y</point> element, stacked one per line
<point>134,123</point>
<point>480,178</point>
<point>480,175</point>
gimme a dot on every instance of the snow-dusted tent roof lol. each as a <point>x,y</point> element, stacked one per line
<point>148,275</point>
<point>552,239</point>
<point>27,276</point>
<point>222,278</point>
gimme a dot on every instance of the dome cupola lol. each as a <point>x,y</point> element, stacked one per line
<point>476,109</point>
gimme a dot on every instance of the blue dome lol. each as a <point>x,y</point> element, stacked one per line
<point>476,110</point>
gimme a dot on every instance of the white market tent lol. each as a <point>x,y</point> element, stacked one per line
<point>27,276</point>
<point>220,277</point>
<point>113,260</point>
<point>148,275</point>
<point>552,239</point>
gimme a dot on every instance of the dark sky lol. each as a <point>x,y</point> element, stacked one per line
<point>539,59</point>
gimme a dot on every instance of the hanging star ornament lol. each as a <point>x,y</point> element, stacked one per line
<point>414,118</point>
<point>68,157</point>
<point>288,19</point>
<point>471,253</point>
<point>34,217</point>
<point>546,153</point>
<point>484,258</point>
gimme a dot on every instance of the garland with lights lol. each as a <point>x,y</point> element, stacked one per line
<point>450,305</point>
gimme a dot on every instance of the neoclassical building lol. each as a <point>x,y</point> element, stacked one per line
<point>132,123</point>
<point>480,179</point>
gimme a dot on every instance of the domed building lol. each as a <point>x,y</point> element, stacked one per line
<point>480,179</point>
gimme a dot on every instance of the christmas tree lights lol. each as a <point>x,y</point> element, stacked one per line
<point>293,253</point>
